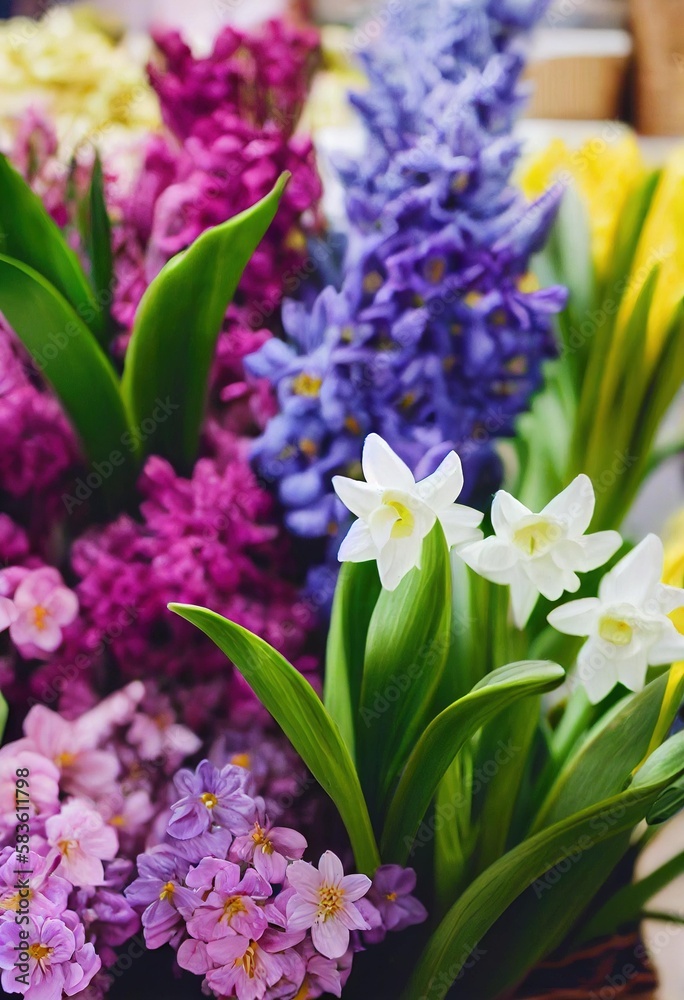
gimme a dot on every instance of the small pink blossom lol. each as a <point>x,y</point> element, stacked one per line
<point>324,901</point>
<point>43,799</point>
<point>60,962</point>
<point>44,606</point>
<point>232,906</point>
<point>8,613</point>
<point>245,968</point>
<point>269,848</point>
<point>80,835</point>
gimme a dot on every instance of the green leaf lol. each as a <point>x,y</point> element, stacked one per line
<point>356,594</point>
<point>72,361</point>
<point>297,709</point>
<point>100,249</point>
<point>29,235</point>
<point>489,896</point>
<point>444,738</point>
<point>406,650</point>
<point>177,326</point>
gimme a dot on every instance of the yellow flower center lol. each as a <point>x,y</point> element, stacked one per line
<point>404,525</point>
<point>303,993</point>
<point>248,960</point>
<point>307,385</point>
<point>308,447</point>
<point>241,760</point>
<point>117,821</point>
<point>352,425</point>
<point>40,617</point>
<point>65,846</point>
<point>12,902</point>
<point>616,630</point>
<point>536,538</point>
<point>65,759</point>
<point>391,897</point>
<point>209,800</point>
<point>39,952</point>
<point>372,282</point>
<point>168,891</point>
<point>330,901</point>
<point>232,907</point>
<point>261,840</point>
<point>435,270</point>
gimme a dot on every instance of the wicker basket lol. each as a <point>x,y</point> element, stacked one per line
<point>658,27</point>
<point>615,967</point>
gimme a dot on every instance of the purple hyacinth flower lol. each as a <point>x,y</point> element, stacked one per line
<point>391,895</point>
<point>232,906</point>
<point>211,797</point>
<point>161,890</point>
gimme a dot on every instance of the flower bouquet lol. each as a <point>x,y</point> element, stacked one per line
<point>329,670</point>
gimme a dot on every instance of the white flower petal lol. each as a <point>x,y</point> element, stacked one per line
<point>360,498</point>
<point>330,868</point>
<point>635,576</point>
<point>574,507</point>
<point>576,617</point>
<point>380,524</point>
<point>506,511</point>
<point>444,485</point>
<point>524,596</point>
<point>588,552</point>
<point>383,468</point>
<point>460,524</point>
<point>547,578</point>
<point>492,558</point>
<point>669,648</point>
<point>631,670</point>
<point>597,673</point>
<point>669,598</point>
<point>398,558</point>
<point>358,545</point>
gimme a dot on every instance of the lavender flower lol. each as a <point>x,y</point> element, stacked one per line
<point>211,798</point>
<point>392,896</point>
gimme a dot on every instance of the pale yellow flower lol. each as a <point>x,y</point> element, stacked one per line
<point>661,243</point>
<point>76,71</point>
<point>328,104</point>
<point>604,172</point>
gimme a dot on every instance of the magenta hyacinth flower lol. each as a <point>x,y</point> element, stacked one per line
<point>324,901</point>
<point>44,607</point>
<point>211,797</point>
<point>231,906</point>
<point>44,796</point>
<point>269,848</point>
<point>59,960</point>
<point>82,840</point>
<point>391,895</point>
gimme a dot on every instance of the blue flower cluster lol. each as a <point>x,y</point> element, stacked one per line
<point>436,337</point>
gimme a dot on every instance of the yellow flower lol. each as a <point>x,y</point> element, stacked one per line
<point>72,67</point>
<point>661,243</point>
<point>604,172</point>
<point>328,104</point>
<point>673,573</point>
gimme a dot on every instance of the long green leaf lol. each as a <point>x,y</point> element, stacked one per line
<point>495,889</point>
<point>443,739</point>
<point>177,326</point>
<point>72,361</point>
<point>297,709</point>
<point>406,650</point>
<point>356,594</point>
<point>100,249</point>
<point>29,235</point>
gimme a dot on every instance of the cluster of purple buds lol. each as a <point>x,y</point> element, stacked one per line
<point>232,894</point>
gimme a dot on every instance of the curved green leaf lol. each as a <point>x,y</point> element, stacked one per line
<point>297,709</point>
<point>29,235</point>
<point>488,897</point>
<point>100,249</point>
<point>356,594</point>
<point>177,325</point>
<point>72,361</point>
<point>443,739</point>
<point>406,650</point>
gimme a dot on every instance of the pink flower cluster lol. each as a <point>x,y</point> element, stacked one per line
<point>263,75</point>
<point>85,795</point>
<point>207,540</point>
<point>231,893</point>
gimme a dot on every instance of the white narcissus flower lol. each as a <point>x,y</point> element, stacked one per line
<point>541,553</point>
<point>395,513</point>
<point>627,624</point>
